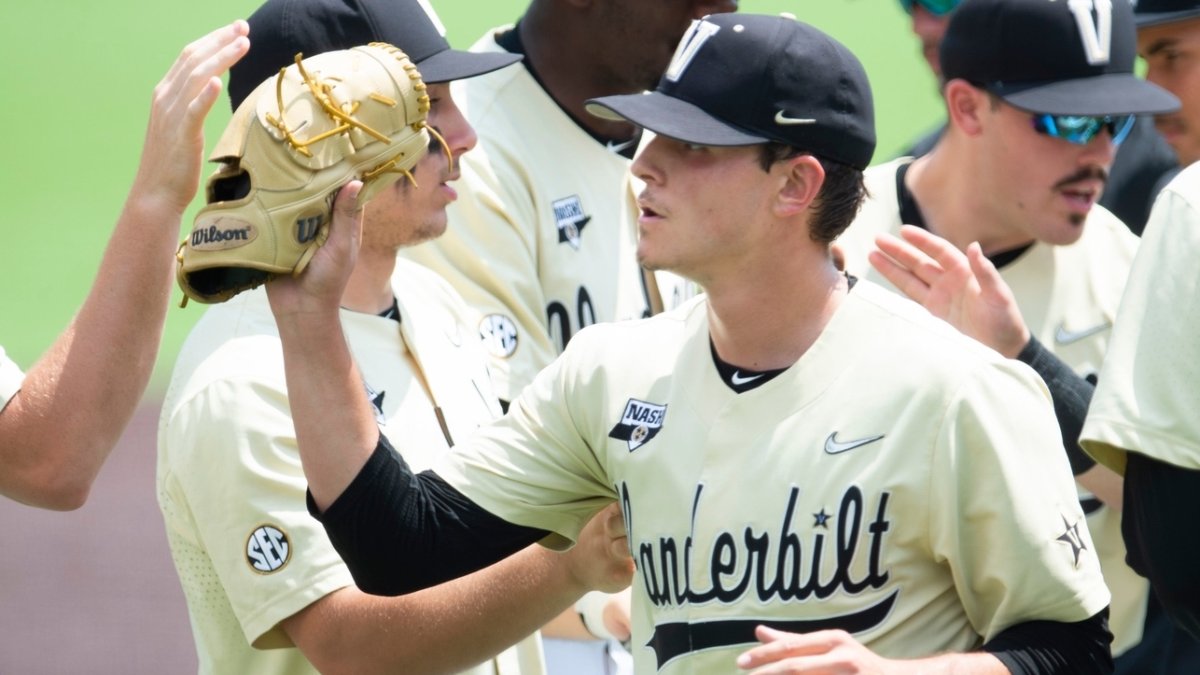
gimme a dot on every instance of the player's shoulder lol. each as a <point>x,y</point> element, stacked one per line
<point>906,335</point>
<point>664,331</point>
<point>1185,186</point>
<point>880,179</point>
<point>236,340</point>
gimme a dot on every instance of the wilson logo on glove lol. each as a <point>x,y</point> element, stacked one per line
<point>291,145</point>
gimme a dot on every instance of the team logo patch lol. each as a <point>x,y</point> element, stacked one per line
<point>640,422</point>
<point>376,399</point>
<point>1072,538</point>
<point>499,335</point>
<point>570,218</point>
<point>268,549</point>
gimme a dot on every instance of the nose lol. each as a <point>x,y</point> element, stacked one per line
<point>645,164</point>
<point>1100,150</point>
<point>454,127</point>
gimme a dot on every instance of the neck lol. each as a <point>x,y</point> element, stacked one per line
<point>946,185</point>
<point>369,289</point>
<point>769,320</point>
<point>552,39</point>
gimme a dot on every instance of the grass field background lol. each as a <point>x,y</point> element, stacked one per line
<point>77,77</point>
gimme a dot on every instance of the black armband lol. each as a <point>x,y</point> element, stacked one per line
<point>400,532</point>
<point>1071,395</point>
<point>1052,647</point>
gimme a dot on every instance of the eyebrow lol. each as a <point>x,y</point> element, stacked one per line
<point>1159,45</point>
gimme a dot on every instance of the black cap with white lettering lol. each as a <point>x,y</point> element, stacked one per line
<point>1051,56</point>
<point>745,79</point>
<point>280,29</point>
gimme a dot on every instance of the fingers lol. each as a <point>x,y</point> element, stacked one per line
<point>347,218</point>
<point>938,250</point>
<point>223,42</point>
<point>985,272</point>
<point>189,85</point>
<point>905,281</point>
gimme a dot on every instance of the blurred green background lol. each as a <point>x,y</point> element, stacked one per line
<point>76,84</point>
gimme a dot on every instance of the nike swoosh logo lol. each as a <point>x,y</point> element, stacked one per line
<point>738,380</point>
<point>781,118</point>
<point>619,147</point>
<point>835,447</point>
<point>1065,337</point>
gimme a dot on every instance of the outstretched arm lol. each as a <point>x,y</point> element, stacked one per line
<point>56,432</point>
<point>967,291</point>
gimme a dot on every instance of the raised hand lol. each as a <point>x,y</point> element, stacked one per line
<point>963,289</point>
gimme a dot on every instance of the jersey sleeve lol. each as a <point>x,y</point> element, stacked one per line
<point>537,466</point>
<point>1147,397</point>
<point>11,378</point>
<point>489,254</point>
<point>236,468</point>
<point>1008,521</point>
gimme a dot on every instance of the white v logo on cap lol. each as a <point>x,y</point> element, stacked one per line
<point>696,35</point>
<point>437,23</point>
<point>1097,36</point>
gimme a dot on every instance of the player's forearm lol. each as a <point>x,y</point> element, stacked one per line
<point>77,399</point>
<point>335,427</point>
<point>446,628</point>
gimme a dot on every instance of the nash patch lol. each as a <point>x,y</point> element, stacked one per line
<point>499,335</point>
<point>641,422</point>
<point>570,218</point>
<point>268,549</point>
<point>222,234</point>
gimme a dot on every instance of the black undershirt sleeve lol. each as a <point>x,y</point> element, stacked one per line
<point>1159,524</point>
<point>400,532</point>
<point>1071,395</point>
<point>1046,647</point>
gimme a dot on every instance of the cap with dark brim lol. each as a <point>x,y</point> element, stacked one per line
<point>452,64</point>
<point>671,117</point>
<point>1146,19</point>
<point>1107,94</point>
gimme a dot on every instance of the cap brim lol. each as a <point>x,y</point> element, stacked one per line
<point>452,64</point>
<point>1144,19</point>
<point>1108,94</point>
<point>671,117</point>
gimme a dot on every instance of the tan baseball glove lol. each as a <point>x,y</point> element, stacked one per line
<point>291,145</point>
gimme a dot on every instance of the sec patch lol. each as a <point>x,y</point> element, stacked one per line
<point>268,549</point>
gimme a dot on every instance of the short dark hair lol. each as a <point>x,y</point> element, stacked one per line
<point>839,199</point>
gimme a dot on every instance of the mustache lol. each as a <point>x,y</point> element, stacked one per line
<point>1085,173</point>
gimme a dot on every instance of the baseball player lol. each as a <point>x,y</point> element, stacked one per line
<point>544,232</point>
<point>1141,419</point>
<point>265,590</point>
<point>1169,41</point>
<point>775,462</point>
<point>1144,161</point>
<point>59,422</point>
<point>1019,171</point>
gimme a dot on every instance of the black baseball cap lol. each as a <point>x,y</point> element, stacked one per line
<point>1154,12</point>
<point>280,29</point>
<point>1051,56</point>
<point>745,79</point>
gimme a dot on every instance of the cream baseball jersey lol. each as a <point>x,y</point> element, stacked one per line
<point>1068,296</point>
<point>898,482</point>
<point>542,239</point>
<point>230,484</point>
<point>1147,397</point>
<point>11,378</point>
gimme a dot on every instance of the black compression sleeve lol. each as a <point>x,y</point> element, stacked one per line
<point>1071,395</point>
<point>1045,647</point>
<point>1159,524</point>
<point>399,532</point>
